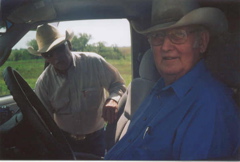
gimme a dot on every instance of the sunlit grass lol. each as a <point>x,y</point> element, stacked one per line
<point>31,69</point>
<point>124,68</point>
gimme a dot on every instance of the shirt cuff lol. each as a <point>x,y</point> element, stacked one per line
<point>114,96</point>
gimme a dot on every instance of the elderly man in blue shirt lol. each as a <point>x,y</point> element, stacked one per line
<point>189,115</point>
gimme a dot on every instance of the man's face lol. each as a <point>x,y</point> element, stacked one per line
<point>178,51</point>
<point>59,57</point>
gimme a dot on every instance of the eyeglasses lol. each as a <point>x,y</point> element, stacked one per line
<point>176,36</point>
<point>58,50</point>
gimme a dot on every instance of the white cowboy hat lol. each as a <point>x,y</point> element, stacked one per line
<point>48,37</point>
<point>168,14</point>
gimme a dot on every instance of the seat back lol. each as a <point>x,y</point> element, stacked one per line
<point>132,98</point>
<point>223,60</point>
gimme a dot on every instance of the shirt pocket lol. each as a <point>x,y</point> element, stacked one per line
<point>61,105</point>
<point>92,98</point>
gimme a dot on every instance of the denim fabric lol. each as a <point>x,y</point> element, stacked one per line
<point>94,143</point>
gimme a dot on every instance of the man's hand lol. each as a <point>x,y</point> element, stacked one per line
<point>110,111</point>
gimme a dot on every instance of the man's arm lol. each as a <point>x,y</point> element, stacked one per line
<point>212,132</point>
<point>114,83</point>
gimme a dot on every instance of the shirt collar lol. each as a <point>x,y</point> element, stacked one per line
<point>185,83</point>
<point>74,59</point>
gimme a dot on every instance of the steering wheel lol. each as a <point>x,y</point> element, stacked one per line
<point>37,115</point>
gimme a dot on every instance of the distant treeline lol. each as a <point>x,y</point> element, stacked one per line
<point>79,43</point>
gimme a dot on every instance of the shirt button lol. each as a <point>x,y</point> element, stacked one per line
<point>129,140</point>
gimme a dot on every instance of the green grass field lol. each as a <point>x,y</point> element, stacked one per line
<point>124,68</point>
<point>31,69</point>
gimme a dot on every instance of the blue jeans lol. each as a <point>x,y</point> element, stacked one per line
<point>94,143</point>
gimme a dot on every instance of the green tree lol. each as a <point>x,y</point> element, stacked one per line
<point>118,53</point>
<point>21,54</point>
<point>80,43</point>
<point>33,43</point>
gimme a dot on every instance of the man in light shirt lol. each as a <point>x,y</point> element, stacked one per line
<point>79,89</point>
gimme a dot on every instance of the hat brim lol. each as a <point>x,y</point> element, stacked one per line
<point>212,18</point>
<point>68,37</point>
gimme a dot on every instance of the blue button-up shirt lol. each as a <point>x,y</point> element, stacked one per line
<point>193,118</point>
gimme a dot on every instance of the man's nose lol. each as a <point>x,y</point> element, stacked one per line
<point>167,44</point>
<point>53,59</point>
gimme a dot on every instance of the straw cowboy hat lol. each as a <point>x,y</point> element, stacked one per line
<point>49,37</point>
<point>168,14</point>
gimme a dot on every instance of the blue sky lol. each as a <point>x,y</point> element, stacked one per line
<point>112,31</point>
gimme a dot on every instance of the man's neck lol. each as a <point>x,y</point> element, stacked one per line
<point>169,80</point>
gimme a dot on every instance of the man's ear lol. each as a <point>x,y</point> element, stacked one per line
<point>205,36</point>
